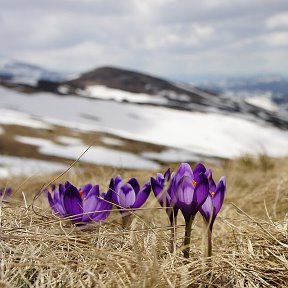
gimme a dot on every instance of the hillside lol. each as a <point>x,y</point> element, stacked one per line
<point>131,81</point>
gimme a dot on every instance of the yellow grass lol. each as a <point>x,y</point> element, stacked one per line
<point>250,237</point>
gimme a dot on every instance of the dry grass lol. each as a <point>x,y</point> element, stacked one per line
<point>250,237</point>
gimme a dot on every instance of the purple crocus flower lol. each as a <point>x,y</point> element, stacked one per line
<point>214,201</point>
<point>128,196</point>
<point>192,189</point>
<point>5,193</point>
<point>164,191</point>
<point>81,205</point>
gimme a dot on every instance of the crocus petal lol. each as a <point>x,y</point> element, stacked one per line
<point>7,192</point>
<point>112,191</point>
<point>135,184</point>
<point>73,202</point>
<point>167,174</point>
<point>201,192</point>
<point>219,195</point>
<point>183,170</point>
<point>67,184</point>
<point>58,200</point>
<point>61,193</point>
<point>160,178</point>
<point>51,202</point>
<point>198,169</point>
<point>125,195</point>
<point>207,208</point>
<point>85,190</point>
<point>212,185</point>
<point>90,203</point>
<point>185,193</point>
<point>117,181</point>
<point>157,190</point>
<point>142,196</point>
<point>56,203</point>
<point>103,207</point>
<point>171,195</point>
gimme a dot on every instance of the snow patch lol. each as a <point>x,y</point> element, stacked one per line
<point>9,117</point>
<point>172,155</point>
<point>208,134</point>
<point>262,102</point>
<point>103,92</point>
<point>32,140</point>
<point>11,166</point>
<point>95,155</point>
<point>112,141</point>
<point>65,140</point>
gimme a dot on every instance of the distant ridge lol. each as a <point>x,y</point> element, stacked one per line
<point>128,80</point>
<point>117,84</point>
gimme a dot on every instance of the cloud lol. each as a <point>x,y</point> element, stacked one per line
<point>278,21</point>
<point>277,39</point>
<point>171,38</point>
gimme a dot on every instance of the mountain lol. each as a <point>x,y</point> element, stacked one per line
<point>130,81</point>
<point>269,91</point>
<point>121,85</point>
<point>28,77</point>
<point>148,120</point>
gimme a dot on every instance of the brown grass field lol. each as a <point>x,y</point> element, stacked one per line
<point>250,237</point>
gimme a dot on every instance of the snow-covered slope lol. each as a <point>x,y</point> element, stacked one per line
<point>22,73</point>
<point>210,134</point>
<point>269,92</point>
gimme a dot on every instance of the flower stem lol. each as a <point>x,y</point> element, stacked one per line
<point>173,223</point>
<point>187,236</point>
<point>209,243</point>
<point>126,221</point>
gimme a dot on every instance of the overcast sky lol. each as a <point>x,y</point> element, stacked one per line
<point>176,39</point>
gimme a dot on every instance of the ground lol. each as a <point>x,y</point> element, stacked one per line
<point>250,237</point>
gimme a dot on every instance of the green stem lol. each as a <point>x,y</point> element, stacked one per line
<point>173,234</point>
<point>209,242</point>
<point>187,237</point>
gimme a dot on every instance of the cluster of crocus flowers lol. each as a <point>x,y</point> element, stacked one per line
<point>80,205</point>
<point>188,190</point>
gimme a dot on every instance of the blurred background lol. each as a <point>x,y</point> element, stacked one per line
<point>144,82</point>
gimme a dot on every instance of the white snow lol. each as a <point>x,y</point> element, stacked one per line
<point>103,92</point>
<point>172,155</point>
<point>200,133</point>
<point>23,73</point>
<point>64,89</point>
<point>10,117</point>
<point>32,140</point>
<point>112,141</point>
<point>262,101</point>
<point>11,166</point>
<point>100,156</point>
<point>95,155</point>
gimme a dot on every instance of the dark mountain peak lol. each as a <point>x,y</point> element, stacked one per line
<point>123,79</point>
